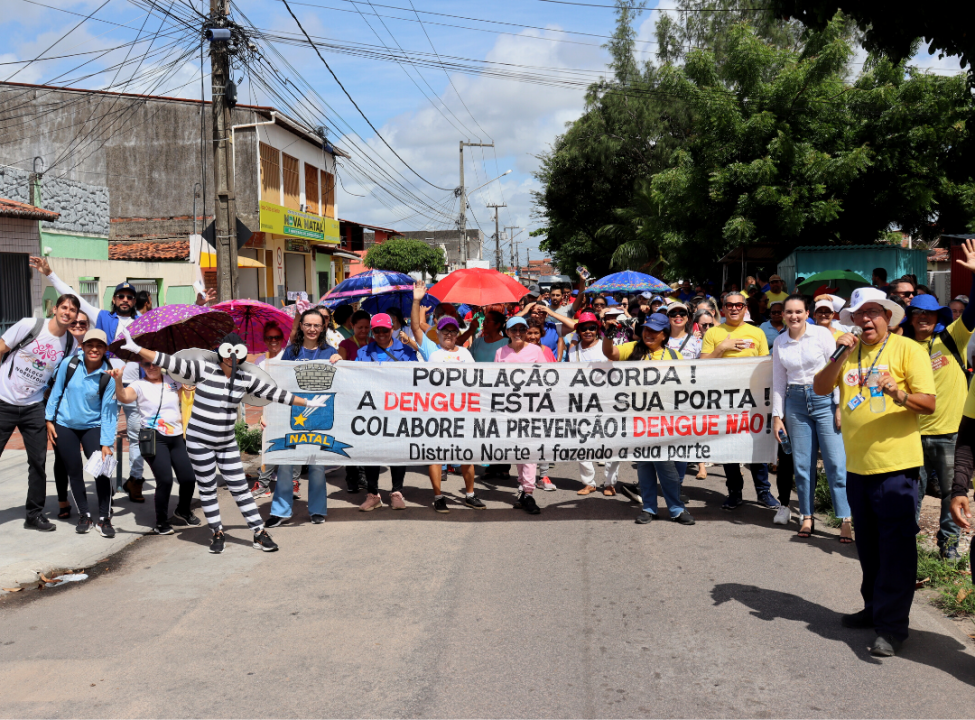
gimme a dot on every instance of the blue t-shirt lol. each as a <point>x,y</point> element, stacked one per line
<point>770,332</point>
<point>373,353</point>
<point>304,354</point>
<point>550,338</point>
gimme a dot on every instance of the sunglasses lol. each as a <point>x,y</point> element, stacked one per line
<point>734,306</point>
<point>706,325</point>
<point>823,311</point>
<point>125,296</point>
<point>273,338</point>
<point>599,305</point>
<point>588,328</point>
<point>677,313</point>
<point>381,331</point>
<point>77,324</point>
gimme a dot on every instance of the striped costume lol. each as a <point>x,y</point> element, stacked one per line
<point>210,440</point>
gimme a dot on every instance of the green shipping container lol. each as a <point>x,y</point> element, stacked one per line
<point>861,259</point>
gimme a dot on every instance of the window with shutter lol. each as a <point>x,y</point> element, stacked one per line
<point>270,174</point>
<point>292,183</point>
<point>328,195</point>
<point>311,189</point>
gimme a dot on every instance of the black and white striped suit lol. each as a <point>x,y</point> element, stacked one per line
<point>210,440</point>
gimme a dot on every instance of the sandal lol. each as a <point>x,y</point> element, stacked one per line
<point>844,539</point>
<point>64,512</point>
<point>812,527</point>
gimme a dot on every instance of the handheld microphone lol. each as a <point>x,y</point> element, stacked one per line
<point>840,349</point>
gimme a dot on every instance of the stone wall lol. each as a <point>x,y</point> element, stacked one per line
<point>83,207</point>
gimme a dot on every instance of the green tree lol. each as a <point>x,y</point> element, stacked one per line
<point>781,149</point>
<point>405,255</point>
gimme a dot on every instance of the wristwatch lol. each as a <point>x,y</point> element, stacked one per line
<point>902,404</point>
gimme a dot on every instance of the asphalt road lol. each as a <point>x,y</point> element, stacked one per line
<point>577,612</point>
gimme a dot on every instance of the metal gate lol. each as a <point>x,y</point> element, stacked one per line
<point>150,286</point>
<point>15,295</point>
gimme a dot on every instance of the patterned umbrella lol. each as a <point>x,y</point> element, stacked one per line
<point>250,317</point>
<point>629,282</point>
<point>371,282</point>
<point>172,328</point>
<point>402,300</point>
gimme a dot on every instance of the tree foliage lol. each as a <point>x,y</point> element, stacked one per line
<point>405,255</point>
<point>889,29</point>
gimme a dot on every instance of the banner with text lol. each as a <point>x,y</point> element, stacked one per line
<point>404,413</point>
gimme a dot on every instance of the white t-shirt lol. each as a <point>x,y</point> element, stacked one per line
<point>148,395</point>
<point>458,354</point>
<point>591,354</point>
<point>261,360</point>
<point>33,364</point>
<point>692,348</point>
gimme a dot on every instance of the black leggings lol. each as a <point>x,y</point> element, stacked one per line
<point>60,478</point>
<point>372,477</point>
<point>69,445</point>
<point>965,466</point>
<point>171,455</point>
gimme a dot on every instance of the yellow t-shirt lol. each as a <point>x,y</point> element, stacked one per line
<point>626,350</point>
<point>837,334</point>
<point>888,441</point>
<point>759,343</point>
<point>776,297</point>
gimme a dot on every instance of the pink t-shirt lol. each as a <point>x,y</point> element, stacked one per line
<point>529,354</point>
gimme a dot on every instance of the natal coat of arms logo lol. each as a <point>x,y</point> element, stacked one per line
<point>308,424</point>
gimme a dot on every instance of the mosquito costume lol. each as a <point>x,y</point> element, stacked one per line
<point>210,440</point>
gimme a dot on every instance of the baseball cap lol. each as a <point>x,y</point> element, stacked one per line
<point>656,298</point>
<point>656,322</point>
<point>534,291</point>
<point>675,306</point>
<point>961,298</point>
<point>95,334</point>
<point>516,320</point>
<point>381,320</point>
<point>448,320</point>
<point>775,277</point>
<point>613,311</point>
<point>124,286</point>
<point>824,303</point>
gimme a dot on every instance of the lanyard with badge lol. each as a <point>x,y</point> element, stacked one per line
<point>857,399</point>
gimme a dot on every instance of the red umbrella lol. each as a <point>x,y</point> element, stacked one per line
<point>250,317</point>
<point>477,286</point>
<point>172,328</point>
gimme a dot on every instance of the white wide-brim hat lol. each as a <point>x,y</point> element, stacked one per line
<point>864,295</point>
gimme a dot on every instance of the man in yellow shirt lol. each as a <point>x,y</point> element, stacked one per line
<point>776,290</point>
<point>885,383</point>
<point>945,341</point>
<point>734,338</point>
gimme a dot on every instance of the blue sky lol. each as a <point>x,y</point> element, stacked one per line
<point>421,112</point>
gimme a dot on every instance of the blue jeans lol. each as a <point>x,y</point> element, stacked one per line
<point>736,483</point>
<point>939,455</point>
<point>283,500</point>
<point>133,424</point>
<point>811,426</point>
<point>648,473</point>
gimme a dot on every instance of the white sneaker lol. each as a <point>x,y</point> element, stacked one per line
<point>783,515</point>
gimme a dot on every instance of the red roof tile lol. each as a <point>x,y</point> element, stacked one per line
<point>12,208</point>
<point>938,255</point>
<point>157,250</point>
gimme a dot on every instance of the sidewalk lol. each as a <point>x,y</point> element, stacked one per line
<point>29,551</point>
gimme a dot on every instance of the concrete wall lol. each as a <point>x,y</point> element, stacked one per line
<point>21,236</point>
<point>111,272</point>
<point>75,245</point>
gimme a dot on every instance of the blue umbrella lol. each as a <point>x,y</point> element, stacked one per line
<point>628,282</point>
<point>366,284</point>
<point>402,300</point>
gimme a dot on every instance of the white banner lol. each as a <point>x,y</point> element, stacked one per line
<point>404,413</point>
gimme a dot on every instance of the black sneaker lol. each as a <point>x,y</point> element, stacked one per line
<point>188,518</point>
<point>474,502</point>
<point>644,518</point>
<point>731,502</point>
<point>274,521</point>
<point>39,522</point>
<point>352,489</point>
<point>440,505</point>
<point>862,620</point>
<point>684,518</point>
<point>217,542</point>
<point>84,525</point>
<point>163,529</point>
<point>767,500</point>
<point>527,503</point>
<point>106,529</point>
<point>263,541</point>
<point>318,519</point>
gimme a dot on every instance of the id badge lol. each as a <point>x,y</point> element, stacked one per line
<point>854,402</point>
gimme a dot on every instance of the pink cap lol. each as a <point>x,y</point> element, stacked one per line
<point>381,320</point>
<point>587,317</point>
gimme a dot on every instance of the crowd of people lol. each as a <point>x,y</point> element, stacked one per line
<point>877,384</point>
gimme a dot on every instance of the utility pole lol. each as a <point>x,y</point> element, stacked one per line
<point>514,251</point>
<point>225,212</point>
<point>497,237</point>
<point>462,192</point>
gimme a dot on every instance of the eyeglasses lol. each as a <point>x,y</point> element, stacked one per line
<point>311,326</point>
<point>79,324</point>
<point>734,306</point>
<point>872,314</point>
<point>599,305</point>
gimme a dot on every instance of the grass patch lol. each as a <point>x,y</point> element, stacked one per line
<point>951,578</point>
<point>249,441</point>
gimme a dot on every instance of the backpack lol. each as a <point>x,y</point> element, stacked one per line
<point>28,339</point>
<point>73,364</point>
<point>953,349</point>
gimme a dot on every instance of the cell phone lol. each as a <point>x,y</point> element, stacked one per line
<point>583,272</point>
<point>695,328</point>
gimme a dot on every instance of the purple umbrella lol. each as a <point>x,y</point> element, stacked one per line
<point>172,328</point>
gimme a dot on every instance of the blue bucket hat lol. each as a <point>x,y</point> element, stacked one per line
<point>930,304</point>
<point>657,322</point>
